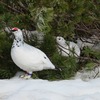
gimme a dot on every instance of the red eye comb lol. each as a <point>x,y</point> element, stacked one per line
<point>15,29</point>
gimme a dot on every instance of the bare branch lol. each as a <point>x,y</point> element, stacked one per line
<point>9,7</point>
<point>23,7</point>
<point>90,59</point>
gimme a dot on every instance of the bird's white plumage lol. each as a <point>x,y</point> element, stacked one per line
<point>28,57</point>
<point>66,48</point>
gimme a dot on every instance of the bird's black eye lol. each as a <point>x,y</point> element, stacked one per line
<point>44,57</point>
<point>59,38</point>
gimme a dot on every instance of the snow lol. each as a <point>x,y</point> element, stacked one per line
<point>38,89</point>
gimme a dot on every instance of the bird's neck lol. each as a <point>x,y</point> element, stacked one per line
<point>18,41</point>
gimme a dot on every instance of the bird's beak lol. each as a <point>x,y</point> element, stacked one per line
<point>13,31</point>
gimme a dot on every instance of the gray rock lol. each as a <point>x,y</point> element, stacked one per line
<point>28,35</point>
<point>39,36</point>
<point>87,75</point>
<point>83,42</point>
<point>96,47</point>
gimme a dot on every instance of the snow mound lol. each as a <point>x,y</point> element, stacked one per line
<point>37,89</point>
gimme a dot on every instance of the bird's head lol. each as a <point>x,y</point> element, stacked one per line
<point>17,32</point>
<point>60,40</point>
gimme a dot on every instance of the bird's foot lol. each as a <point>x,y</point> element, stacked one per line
<point>26,76</point>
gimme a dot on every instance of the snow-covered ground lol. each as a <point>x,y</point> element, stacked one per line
<point>37,89</point>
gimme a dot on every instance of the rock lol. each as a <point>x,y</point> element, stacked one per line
<point>93,42</point>
<point>83,42</point>
<point>96,47</point>
<point>39,36</point>
<point>87,75</point>
<point>7,29</point>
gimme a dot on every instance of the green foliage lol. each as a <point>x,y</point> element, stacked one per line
<point>5,74</point>
<point>7,68</point>
<point>91,59</point>
<point>49,45</point>
<point>3,42</point>
<point>90,53</point>
<point>48,74</point>
<point>43,17</point>
<point>66,65</point>
<point>90,65</point>
<point>58,16</point>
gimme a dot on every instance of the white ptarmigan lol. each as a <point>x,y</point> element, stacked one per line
<point>27,57</point>
<point>66,48</point>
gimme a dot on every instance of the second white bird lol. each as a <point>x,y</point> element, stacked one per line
<point>67,48</point>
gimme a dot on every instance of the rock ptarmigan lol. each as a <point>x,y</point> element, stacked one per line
<point>27,57</point>
<point>67,48</point>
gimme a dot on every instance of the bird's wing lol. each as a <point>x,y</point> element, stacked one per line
<point>38,57</point>
<point>37,54</point>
